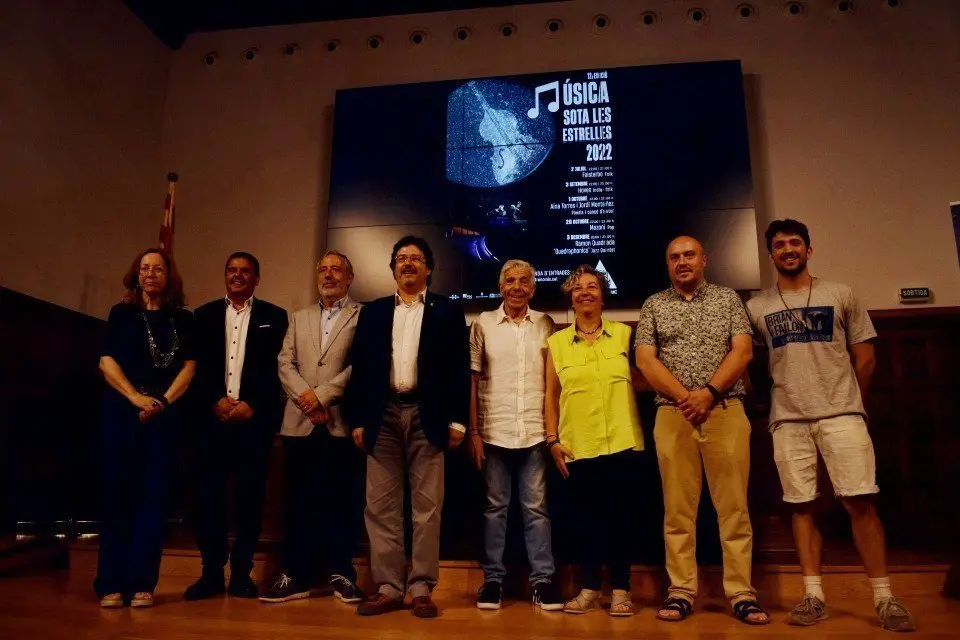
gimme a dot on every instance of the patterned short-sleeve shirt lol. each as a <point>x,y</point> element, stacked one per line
<point>693,336</point>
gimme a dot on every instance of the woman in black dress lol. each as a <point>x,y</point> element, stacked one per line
<point>148,361</point>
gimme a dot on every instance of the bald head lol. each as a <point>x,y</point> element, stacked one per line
<point>686,261</point>
<point>681,243</point>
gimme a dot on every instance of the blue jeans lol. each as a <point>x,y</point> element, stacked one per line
<point>500,468</point>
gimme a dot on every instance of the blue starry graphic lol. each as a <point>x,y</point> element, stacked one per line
<point>491,141</point>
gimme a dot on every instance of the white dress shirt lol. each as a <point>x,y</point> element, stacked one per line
<point>236,324</point>
<point>328,317</point>
<point>511,361</point>
<point>407,322</point>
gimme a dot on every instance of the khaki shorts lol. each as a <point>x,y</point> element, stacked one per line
<point>847,450</point>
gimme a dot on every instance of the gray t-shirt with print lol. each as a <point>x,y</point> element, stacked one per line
<point>813,375</point>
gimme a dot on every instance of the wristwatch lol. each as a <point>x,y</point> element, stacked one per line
<point>713,391</point>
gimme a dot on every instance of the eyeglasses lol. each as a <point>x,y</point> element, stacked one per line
<point>414,259</point>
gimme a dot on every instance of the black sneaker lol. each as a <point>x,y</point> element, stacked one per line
<point>488,597</point>
<point>546,595</point>
<point>208,586</point>
<point>241,586</point>
<point>284,589</point>
<point>345,589</point>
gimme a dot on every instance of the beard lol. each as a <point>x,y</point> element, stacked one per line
<point>793,271</point>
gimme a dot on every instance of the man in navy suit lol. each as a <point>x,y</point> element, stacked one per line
<point>241,404</point>
<point>408,400</point>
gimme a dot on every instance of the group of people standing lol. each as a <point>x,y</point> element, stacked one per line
<point>401,381</point>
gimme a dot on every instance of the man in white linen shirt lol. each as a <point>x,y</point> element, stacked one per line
<point>507,359</point>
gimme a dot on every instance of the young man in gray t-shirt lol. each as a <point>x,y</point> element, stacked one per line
<point>821,361</point>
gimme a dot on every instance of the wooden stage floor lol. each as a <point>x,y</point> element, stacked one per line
<point>61,605</point>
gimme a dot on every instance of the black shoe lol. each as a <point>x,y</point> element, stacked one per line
<point>345,589</point>
<point>242,587</point>
<point>208,586</point>
<point>546,595</point>
<point>488,597</point>
<point>284,589</point>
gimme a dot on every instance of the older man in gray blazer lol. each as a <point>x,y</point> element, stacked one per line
<point>324,468</point>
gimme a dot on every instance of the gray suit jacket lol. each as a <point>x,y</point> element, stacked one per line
<point>303,365</point>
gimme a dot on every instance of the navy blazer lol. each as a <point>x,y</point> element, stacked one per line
<point>443,369</point>
<point>259,380</point>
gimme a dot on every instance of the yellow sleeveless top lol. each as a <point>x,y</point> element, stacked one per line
<point>598,405</point>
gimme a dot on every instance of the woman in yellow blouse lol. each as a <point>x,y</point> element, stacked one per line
<point>592,429</point>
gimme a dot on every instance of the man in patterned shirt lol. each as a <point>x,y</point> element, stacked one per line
<point>693,345</point>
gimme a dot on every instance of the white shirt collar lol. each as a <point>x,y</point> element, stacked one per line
<point>246,305</point>
<point>530,316</point>
<point>420,297</point>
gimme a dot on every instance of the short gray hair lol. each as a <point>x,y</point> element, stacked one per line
<point>574,277</point>
<point>334,252</point>
<point>517,264</point>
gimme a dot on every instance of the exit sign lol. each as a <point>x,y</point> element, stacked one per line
<point>915,294</point>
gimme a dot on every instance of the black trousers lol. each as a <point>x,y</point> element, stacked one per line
<point>325,498</point>
<point>237,453</point>
<point>599,496</point>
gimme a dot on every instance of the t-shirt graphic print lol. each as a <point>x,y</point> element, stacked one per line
<point>810,324</point>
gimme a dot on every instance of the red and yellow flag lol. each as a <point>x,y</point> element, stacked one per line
<point>166,229</point>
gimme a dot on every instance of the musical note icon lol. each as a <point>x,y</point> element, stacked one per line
<point>552,106</point>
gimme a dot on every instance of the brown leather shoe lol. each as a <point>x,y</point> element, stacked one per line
<point>378,603</point>
<point>424,607</point>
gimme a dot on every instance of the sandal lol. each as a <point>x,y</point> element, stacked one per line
<point>583,603</point>
<point>142,599</point>
<point>111,601</point>
<point>745,608</point>
<point>621,606</point>
<point>681,605</point>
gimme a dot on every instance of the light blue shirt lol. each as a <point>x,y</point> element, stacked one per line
<point>328,317</point>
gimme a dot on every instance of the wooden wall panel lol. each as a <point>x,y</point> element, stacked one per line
<point>49,412</point>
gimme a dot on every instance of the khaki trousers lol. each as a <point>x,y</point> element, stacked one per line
<point>723,445</point>
<point>402,450</point>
